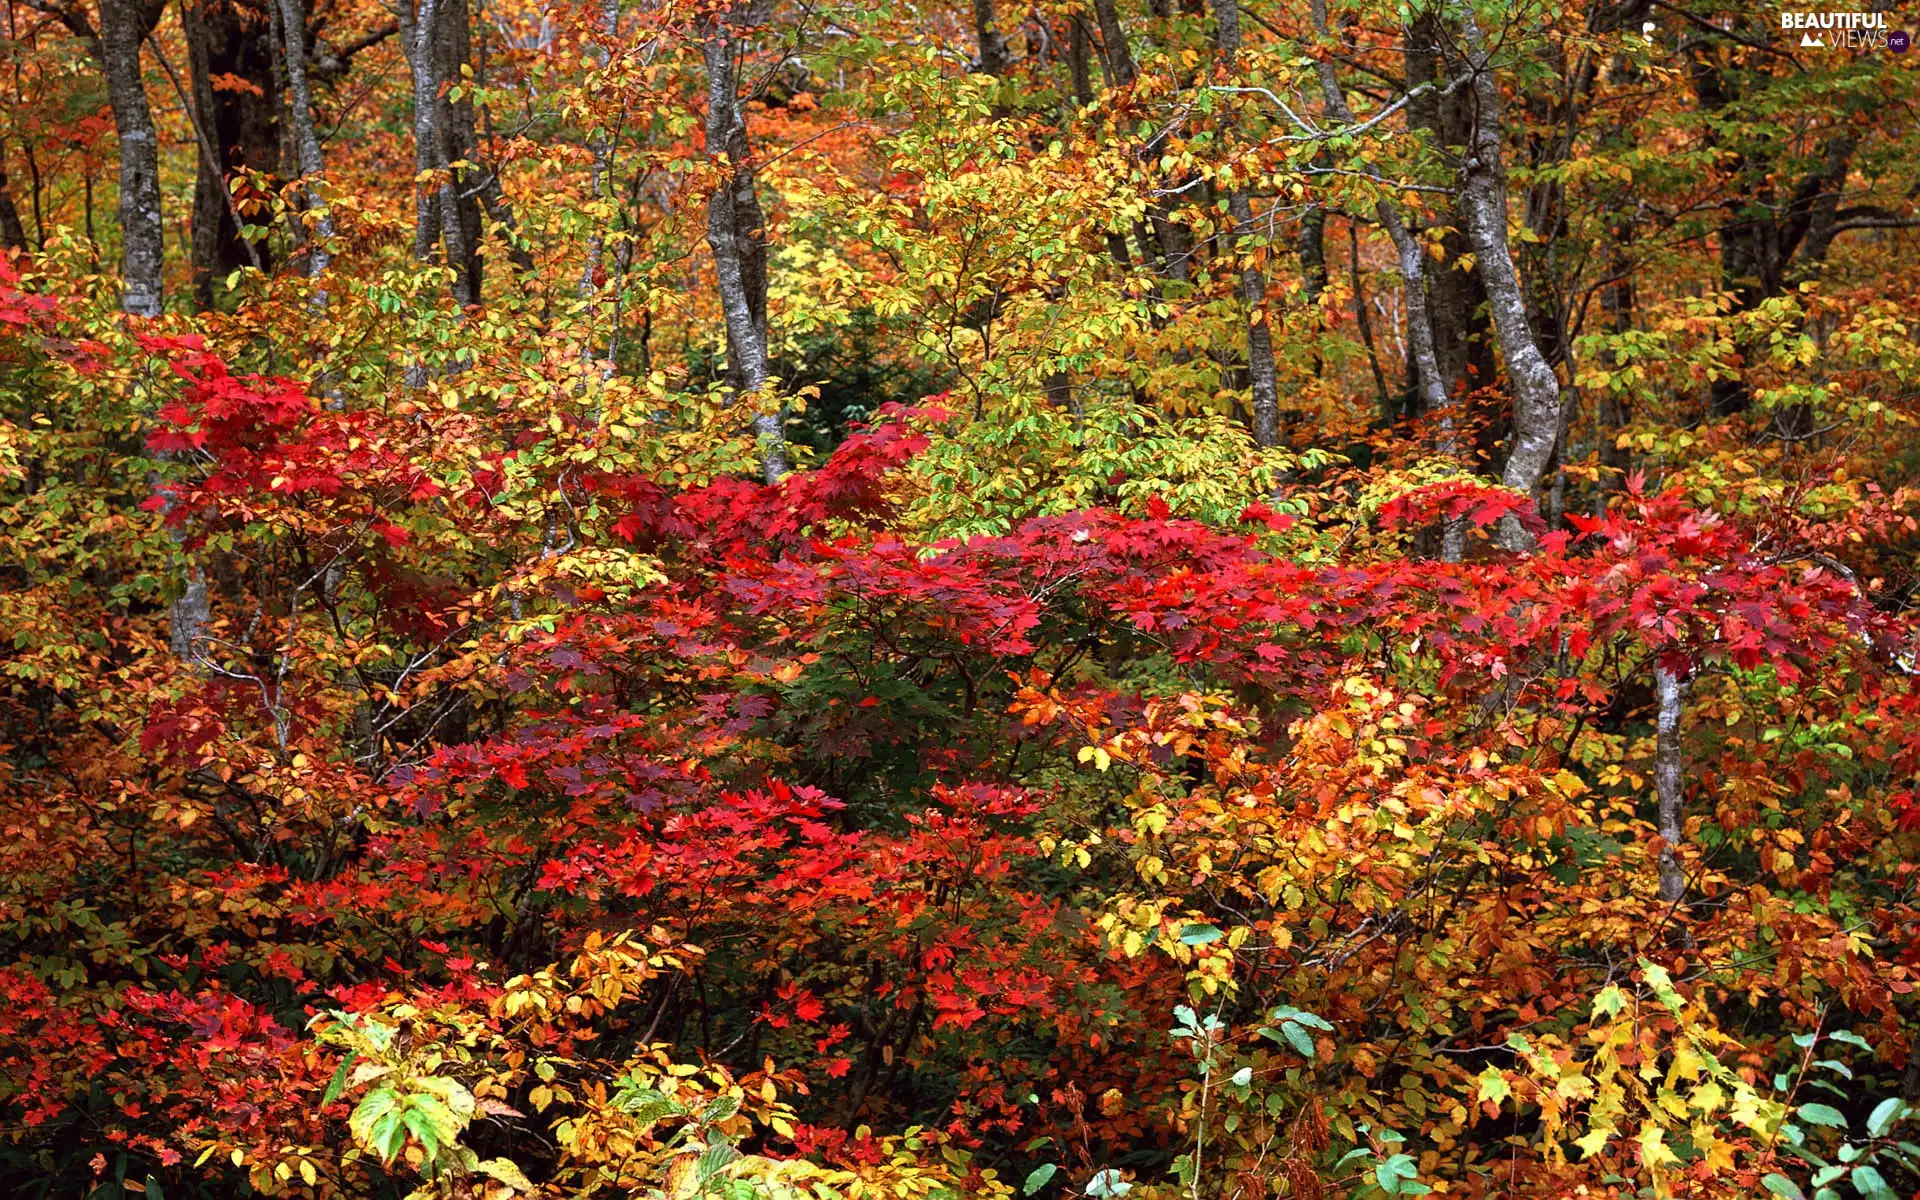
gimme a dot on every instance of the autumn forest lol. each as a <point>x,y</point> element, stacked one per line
<point>930,599</point>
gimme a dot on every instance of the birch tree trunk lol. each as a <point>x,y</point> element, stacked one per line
<point>734,229</point>
<point>1669,783</point>
<point>1483,199</point>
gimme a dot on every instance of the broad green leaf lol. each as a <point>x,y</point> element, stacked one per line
<point>1869,1183</point>
<point>1884,1115</point>
<point>1783,1187</point>
<point>1822,1114</point>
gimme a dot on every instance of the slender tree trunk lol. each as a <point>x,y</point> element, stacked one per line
<point>1174,246</point>
<point>1313,252</point>
<point>13,235</point>
<point>452,38</point>
<point>124,25</point>
<point>1613,406</point>
<point>1536,391</point>
<point>1253,281</point>
<point>1365,321</point>
<point>1425,364</point>
<point>1114,54</point>
<point>1077,59</point>
<point>416,34</point>
<point>1407,249</point>
<point>306,144</point>
<point>734,229</point>
<point>436,207</point>
<point>1669,782</point>
<point>211,222</point>
<point>593,271</point>
<point>237,129</point>
<point>1455,299</point>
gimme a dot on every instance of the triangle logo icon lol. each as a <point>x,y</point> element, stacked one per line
<point>1807,39</point>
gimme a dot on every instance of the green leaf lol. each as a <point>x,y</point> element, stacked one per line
<point>1310,1020</point>
<point>719,1155</point>
<point>1822,1114</point>
<point>1783,1187</point>
<point>1391,1173</point>
<point>1493,1085</point>
<point>1869,1183</point>
<point>1300,1040</point>
<point>1200,935</point>
<point>388,1136</point>
<point>1884,1115</point>
<point>373,1106</point>
<point>421,1125</point>
<point>1610,1001</point>
<point>339,1081</point>
<point>1038,1177</point>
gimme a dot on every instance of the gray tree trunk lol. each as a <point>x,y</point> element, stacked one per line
<point>1483,200</point>
<point>1253,281</point>
<point>124,25</point>
<point>733,231</point>
<point>452,38</point>
<point>1412,259</point>
<point>1669,783</point>
<point>306,142</point>
<point>436,208</point>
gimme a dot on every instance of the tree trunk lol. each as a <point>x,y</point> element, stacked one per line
<point>306,143</point>
<point>1077,61</point>
<point>1423,365</point>
<point>436,207</point>
<point>1407,249</point>
<point>1614,409</point>
<point>593,271</point>
<point>13,235</point>
<point>1669,782</point>
<point>1115,57</point>
<point>1253,281</point>
<point>1456,301</point>
<point>240,128</point>
<point>1536,391</point>
<point>734,231</point>
<point>994,57</point>
<point>124,25</point>
<point>452,38</point>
